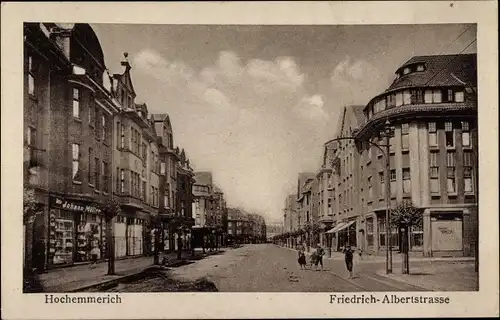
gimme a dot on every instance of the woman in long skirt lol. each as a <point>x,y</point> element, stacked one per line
<point>348,254</point>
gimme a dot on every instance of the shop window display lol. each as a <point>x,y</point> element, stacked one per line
<point>89,234</point>
<point>61,237</point>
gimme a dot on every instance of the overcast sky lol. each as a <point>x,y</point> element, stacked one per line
<point>254,104</point>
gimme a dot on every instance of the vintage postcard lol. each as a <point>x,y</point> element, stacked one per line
<point>237,160</point>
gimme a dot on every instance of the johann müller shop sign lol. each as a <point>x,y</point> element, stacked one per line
<point>61,203</point>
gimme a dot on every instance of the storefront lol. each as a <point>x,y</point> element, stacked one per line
<point>446,232</point>
<point>129,236</point>
<point>75,228</point>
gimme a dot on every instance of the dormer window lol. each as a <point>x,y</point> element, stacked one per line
<point>406,70</point>
<point>420,67</point>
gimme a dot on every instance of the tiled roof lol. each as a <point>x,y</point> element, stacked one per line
<point>440,70</point>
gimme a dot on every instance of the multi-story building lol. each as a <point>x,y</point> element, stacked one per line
<point>304,205</point>
<point>432,106</point>
<point>185,181</point>
<point>291,218</point>
<point>203,202</point>
<point>136,165</point>
<point>68,143</point>
<point>342,184</point>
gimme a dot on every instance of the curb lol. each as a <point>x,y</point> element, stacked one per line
<point>173,264</point>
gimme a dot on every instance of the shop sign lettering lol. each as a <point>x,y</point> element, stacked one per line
<point>445,230</point>
<point>67,205</point>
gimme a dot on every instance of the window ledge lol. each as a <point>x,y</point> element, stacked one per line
<point>434,147</point>
<point>452,195</point>
<point>467,147</point>
<point>379,155</point>
<point>469,194</point>
<point>405,150</point>
<point>97,191</point>
<point>435,195</point>
<point>393,197</point>
<point>77,182</point>
<point>77,119</point>
<point>450,148</point>
<point>91,185</point>
<point>105,193</point>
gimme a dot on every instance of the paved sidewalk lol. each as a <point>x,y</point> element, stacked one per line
<point>438,275</point>
<point>76,277</point>
<point>396,257</point>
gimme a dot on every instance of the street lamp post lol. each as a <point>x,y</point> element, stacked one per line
<point>387,133</point>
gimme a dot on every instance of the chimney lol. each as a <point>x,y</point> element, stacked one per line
<point>61,33</point>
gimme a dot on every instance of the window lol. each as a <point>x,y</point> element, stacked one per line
<point>31,76</point>
<point>105,172</point>
<point>468,184</point>
<point>406,180</point>
<point>459,96</point>
<point>465,134</point>
<point>420,67</point>
<point>369,153</point>
<point>329,204</point>
<point>406,97</point>
<point>91,173</point>
<point>433,96</point>
<point>417,236</point>
<point>380,105</point>
<point>91,109</point>
<point>166,202</point>
<point>97,123</point>
<point>392,144</point>
<point>382,184</point>
<point>370,189</point>
<point>162,167</point>
<point>432,134</point>
<point>391,101</point>
<point>399,99</point>
<point>393,182</point>
<point>369,232</point>
<point>381,232</point>
<point>97,168</point>
<point>450,137</point>
<point>144,153</point>
<point>76,162</point>
<point>405,143</point>
<point>122,180</point>
<point>406,70</point>
<point>417,96</point>
<point>450,172</point>
<point>434,172</point>
<point>117,181</point>
<point>76,103</point>
<point>104,127</point>
<point>31,137</point>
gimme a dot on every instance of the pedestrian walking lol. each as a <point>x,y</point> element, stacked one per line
<point>179,247</point>
<point>320,252</point>
<point>302,259</point>
<point>348,254</point>
<point>94,255</point>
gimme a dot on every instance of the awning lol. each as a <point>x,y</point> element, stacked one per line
<point>346,225</point>
<point>336,228</point>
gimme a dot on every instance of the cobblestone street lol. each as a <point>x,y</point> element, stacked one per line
<point>269,268</point>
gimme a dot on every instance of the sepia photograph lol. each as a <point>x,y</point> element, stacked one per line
<point>250,158</point>
<point>261,158</point>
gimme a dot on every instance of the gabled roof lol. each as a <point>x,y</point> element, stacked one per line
<point>440,70</point>
<point>125,77</point>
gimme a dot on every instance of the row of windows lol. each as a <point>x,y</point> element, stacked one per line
<point>449,136</point>
<point>415,96</point>
<point>96,169</point>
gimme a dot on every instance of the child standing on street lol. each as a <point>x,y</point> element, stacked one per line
<point>302,259</point>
